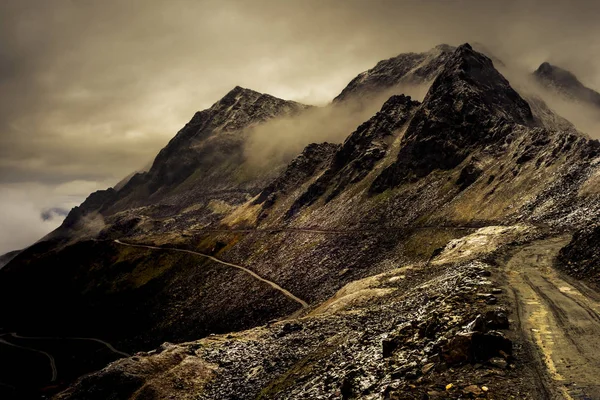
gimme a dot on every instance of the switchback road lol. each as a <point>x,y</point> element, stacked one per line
<point>246,270</point>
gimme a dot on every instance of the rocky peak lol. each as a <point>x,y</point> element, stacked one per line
<point>242,107</point>
<point>471,77</point>
<point>556,74</point>
<point>565,83</point>
<point>236,111</point>
<point>407,68</point>
<point>468,106</point>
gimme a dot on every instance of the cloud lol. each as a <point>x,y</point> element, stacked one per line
<point>54,212</point>
<point>279,140</point>
<point>29,211</point>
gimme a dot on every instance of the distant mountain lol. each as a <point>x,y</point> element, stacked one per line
<point>566,84</point>
<point>5,258</point>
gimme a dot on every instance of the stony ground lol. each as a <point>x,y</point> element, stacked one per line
<point>421,331</point>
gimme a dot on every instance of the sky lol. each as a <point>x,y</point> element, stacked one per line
<point>92,90</point>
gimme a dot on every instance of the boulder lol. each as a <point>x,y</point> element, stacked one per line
<point>471,347</point>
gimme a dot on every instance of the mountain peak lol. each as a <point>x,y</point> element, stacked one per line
<point>557,74</point>
<point>406,68</point>
<point>239,91</point>
<point>470,74</point>
<point>464,46</point>
<point>463,111</point>
<point>565,83</point>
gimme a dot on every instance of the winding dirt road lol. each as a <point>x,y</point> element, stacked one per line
<point>252,273</point>
<point>47,355</point>
<point>108,345</point>
<point>561,316</point>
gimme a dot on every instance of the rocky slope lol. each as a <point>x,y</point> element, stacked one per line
<point>419,331</point>
<point>364,231</point>
<point>581,257</point>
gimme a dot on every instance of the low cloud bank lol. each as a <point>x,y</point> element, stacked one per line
<point>28,212</point>
<point>280,140</point>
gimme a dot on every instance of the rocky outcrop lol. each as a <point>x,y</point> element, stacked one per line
<point>96,202</point>
<point>581,257</point>
<point>314,157</point>
<point>360,152</point>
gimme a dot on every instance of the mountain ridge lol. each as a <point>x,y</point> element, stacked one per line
<point>351,228</point>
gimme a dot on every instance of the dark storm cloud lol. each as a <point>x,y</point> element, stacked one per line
<point>91,90</point>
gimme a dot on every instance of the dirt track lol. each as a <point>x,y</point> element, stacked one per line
<point>246,270</point>
<point>561,316</point>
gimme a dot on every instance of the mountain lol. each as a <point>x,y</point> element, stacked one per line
<point>5,258</point>
<point>404,69</point>
<point>384,266</point>
<point>201,167</point>
<point>566,84</point>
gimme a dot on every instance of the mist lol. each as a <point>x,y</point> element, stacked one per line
<point>278,141</point>
<point>584,116</point>
<point>29,211</point>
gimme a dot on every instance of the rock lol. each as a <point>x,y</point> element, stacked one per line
<point>429,327</point>
<point>498,362</point>
<point>434,394</point>
<point>473,389</point>
<point>468,175</point>
<point>477,325</point>
<point>489,298</point>
<point>346,388</point>
<point>492,320</point>
<point>496,319</point>
<point>288,328</point>
<point>427,367</point>
<point>476,347</point>
<point>388,346</point>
